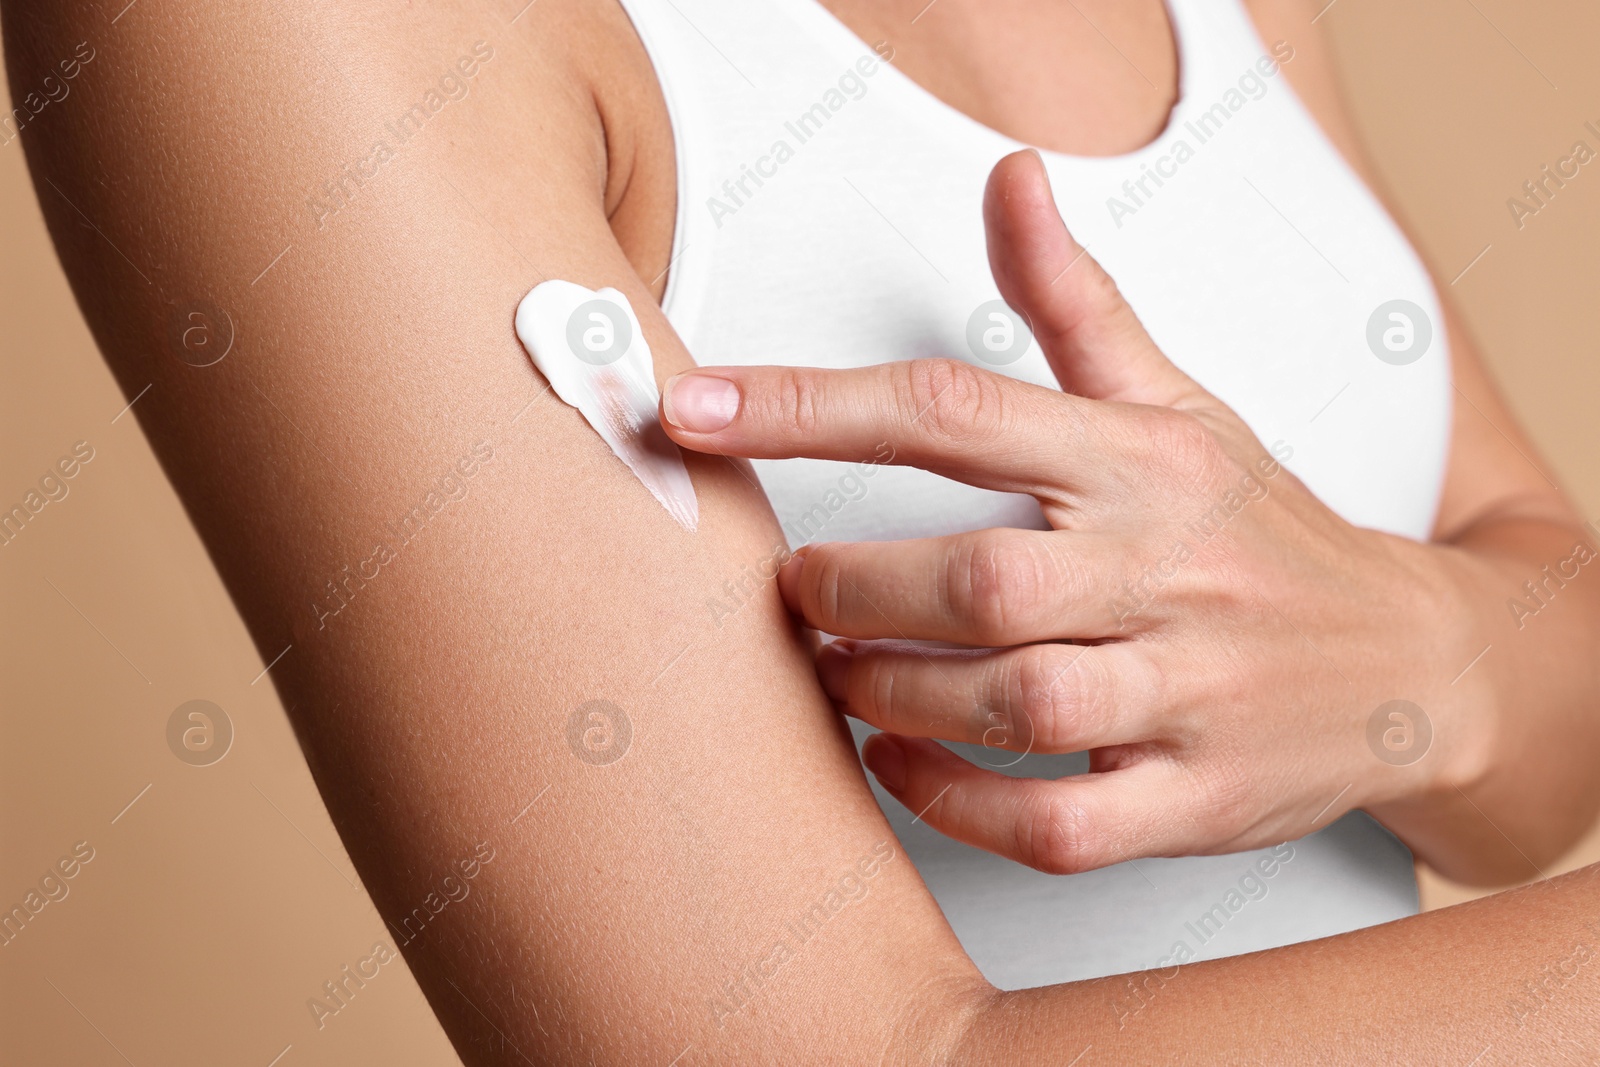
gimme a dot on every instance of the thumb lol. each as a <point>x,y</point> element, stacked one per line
<point>1091,337</point>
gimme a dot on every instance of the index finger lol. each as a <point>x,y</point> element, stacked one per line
<point>941,415</point>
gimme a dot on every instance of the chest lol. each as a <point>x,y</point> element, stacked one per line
<point>829,216</point>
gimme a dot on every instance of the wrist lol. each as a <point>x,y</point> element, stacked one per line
<point>1443,662</point>
<point>1471,684</point>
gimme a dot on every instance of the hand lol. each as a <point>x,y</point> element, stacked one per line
<point>1196,619</point>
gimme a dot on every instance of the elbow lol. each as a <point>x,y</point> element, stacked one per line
<point>947,1020</point>
<point>1489,856</point>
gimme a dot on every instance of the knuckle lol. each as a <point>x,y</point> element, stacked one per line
<point>824,575</point>
<point>872,689</point>
<point>1055,834</point>
<point>1063,694</point>
<point>1227,793</point>
<point>796,401</point>
<point>949,401</point>
<point>1187,448</point>
<point>1147,683</point>
<point>996,582</point>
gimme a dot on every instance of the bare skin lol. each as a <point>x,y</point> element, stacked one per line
<point>1185,754</point>
<point>433,705</point>
<point>1212,725</point>
<point>1509,785</point>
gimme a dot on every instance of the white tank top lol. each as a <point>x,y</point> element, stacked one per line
<point>829,215</point>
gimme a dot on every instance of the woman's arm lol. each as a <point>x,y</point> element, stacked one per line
<point>1510,979</point>
<point>449,561</point>
<point>727,891</point>
<point>1527,709</point>
<point>1213,721</point>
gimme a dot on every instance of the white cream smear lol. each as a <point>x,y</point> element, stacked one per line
<point>589,346</point>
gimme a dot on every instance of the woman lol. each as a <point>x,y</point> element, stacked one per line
<point>710,878</point>
<point>821,229</point>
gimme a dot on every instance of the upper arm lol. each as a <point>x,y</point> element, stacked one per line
<point>1493,471</point>
<point>375,441</point>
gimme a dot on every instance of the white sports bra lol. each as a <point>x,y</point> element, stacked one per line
<point>828,215</point>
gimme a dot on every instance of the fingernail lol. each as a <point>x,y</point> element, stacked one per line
<point>700,403</point>
<point>789,579</point>
<point>886,760</point>
<point>833,668</point>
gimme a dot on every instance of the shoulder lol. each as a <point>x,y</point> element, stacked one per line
<point>1313,71</point>
<point>556,97</point>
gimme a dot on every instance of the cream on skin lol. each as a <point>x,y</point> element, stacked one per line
<point>589,346</point>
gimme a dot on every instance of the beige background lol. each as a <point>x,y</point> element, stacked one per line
<point>221,900</point>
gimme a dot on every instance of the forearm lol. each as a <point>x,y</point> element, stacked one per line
<point>1524,713</point>
<point>1517,784</point>
<point>1418,991</point>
